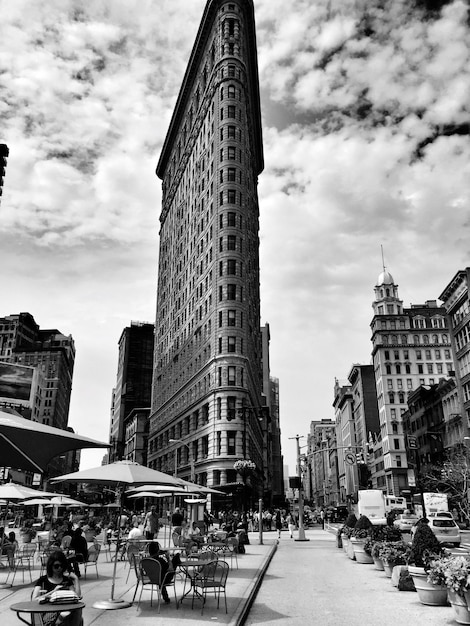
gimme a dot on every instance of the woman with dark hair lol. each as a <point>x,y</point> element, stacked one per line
<point>58,577</point>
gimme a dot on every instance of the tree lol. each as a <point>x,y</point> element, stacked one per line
<point>451,477</point>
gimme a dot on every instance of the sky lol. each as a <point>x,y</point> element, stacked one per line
<point>366,123</point>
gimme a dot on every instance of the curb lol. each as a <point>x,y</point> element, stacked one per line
<point>241,617</point>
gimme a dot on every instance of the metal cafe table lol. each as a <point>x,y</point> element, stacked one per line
<point>191,568</point>
<point>34,607</point>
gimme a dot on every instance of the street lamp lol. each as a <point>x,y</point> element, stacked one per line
<point>191,460</point>
<point>301,495</point>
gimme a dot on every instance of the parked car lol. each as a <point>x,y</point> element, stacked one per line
<point>405,522</point>
<point>445,529</point>
<point>441,514</point>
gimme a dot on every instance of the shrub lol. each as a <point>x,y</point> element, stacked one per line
<point>362,527</point>
<point>424,546</point>
<point>368,544</point>
<point>391,533</point>
<point>394,552</point>
<point>454,571</point>
<point>375,549</point>
<point>351,520</point>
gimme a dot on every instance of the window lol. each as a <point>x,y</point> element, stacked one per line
<point>231,407</point>
<point>231,196</point>
<point>231,219</point>
<point>389,383</point>
<point>231,292</point>
<point>430,368</point>
<point>408,368</point>
<point>231,132</point>
<point>231,111</point>
<point>231,242</point>
<point>231,173</point>
<point>418,355</point>
<point>231,91</point>
<point>428,354</point>
<point>396,444</point>
<point>388,369</point>
<point>231,266</point>
<point>231,317</point>
<point>231,71</point>
<point>437,354</point>
<point>231,437</point>
<point>409,383</point>
<point>231,153</point>
<point>420,368</point>
<point>398,368</point>
<point>231,344</point>
<point>231,379</point>
<point>398,460</point>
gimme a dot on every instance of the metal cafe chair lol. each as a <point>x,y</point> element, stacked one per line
<point>23,559</point>
<point>212,577</point>
<point>151,574</point>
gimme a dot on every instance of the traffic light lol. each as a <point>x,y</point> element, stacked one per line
<point>4,152</point>
<point>360,458</point>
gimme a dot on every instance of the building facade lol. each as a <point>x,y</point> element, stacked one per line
<point>133,391</point>
<point>207,391</point>
<point>455,298</point>
<point>51,355</point>
<point>411,347</point>
<point>321,485</point>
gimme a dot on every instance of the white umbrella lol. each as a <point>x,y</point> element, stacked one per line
<point>66,501</point>
<point>120,474</point>
<point>36,501</point>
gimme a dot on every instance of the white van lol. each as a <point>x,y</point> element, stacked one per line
<point>371,502</point>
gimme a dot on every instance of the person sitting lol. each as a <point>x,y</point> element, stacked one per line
<point>10,547</point>
<point>181,537</point>
<point>196,535</point>
<point>135,535</point>
<point>168,568</point>
<point>57,577</point>
<point>79,544</point>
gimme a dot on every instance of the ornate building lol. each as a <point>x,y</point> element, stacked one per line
<point>411,347</point>
<point>207,381</point>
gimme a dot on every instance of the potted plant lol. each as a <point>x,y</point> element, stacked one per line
<point>361,532</point>
<point>455,570</point>
<point>375,554</point>
<point>393,553</point>
<point>27,532</point>
<point>424,549</point>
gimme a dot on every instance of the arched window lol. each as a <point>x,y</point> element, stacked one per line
<point>387,292</point>
<point>444,339</point>
<point>391,397</point>
<point>401,398</point>
<point>416,339</point>
<point>426,339</point>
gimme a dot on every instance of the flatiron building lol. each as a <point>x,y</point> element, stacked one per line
<point>208,379</point>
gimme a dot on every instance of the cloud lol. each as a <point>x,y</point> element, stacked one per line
<point>366,120</point>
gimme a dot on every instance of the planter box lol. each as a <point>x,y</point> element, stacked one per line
<point>459,604</point>
<point>378,564</point>
<point>360,555</point>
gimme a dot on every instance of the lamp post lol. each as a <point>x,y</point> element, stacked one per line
<point>191,460</point>
<point>301,495</point>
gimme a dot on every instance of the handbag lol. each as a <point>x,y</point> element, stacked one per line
<point>63,596</point>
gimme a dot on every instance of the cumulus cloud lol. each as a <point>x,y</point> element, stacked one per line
<point>366,122</point>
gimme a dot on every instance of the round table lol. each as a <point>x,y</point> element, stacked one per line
<point>33,606</point>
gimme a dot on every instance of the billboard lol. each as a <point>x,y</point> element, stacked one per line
<point>17,383</point>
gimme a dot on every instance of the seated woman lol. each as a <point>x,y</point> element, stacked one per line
<point>58,577</point>
<point>181,537</point>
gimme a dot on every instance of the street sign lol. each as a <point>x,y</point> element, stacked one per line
<point>350,458</point>
<point>412,443</point>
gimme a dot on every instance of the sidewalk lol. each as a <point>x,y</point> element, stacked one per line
<point>241,588</point>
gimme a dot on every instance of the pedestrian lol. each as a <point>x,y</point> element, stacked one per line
<point>278,523</point>
<point>177,517</point>
<point>322,517</point>
<point>290,524</point>
<point>151,524</point>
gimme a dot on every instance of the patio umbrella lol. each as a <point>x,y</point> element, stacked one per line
<point>120,474</point>
<point>66,501</point>
<point>35,501</point>
<point>30,446</point>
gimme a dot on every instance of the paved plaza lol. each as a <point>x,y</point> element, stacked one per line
<point>311,582</point>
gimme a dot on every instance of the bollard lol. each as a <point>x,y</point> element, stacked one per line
<point>260,523</point>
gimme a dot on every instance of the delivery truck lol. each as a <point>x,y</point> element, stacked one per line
<point>371,502</point>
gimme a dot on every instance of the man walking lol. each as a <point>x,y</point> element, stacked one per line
<point>151,524</point>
